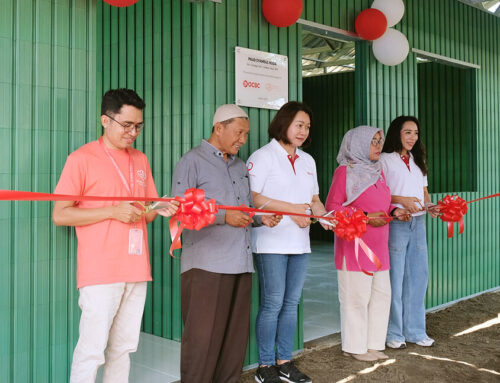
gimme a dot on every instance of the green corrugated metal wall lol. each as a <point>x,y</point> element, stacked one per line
<point>187,50</point>
<point>180,57</point>
<point>47,104</point>
<point>446,113</point>
<point>147,47</point>
<point>468,263</point>
<point>332,99</point>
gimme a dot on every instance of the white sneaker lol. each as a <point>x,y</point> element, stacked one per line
<point>396,344</point>
<point>427,342</point>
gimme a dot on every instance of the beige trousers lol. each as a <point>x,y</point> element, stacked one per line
<point>365,303</point>
<point>109,326</point>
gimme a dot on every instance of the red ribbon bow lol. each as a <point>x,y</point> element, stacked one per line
<point>352,227</point>
<point>453,208</point>
<point>194,213</point>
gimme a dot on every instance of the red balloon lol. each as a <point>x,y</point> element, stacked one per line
<point>121,3</point>
<point>282,13</point>
<point>370,24</point>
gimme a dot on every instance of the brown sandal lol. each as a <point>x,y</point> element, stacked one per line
<point>366,357</point>
<point>378,354</point>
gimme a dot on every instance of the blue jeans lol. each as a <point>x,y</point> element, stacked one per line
<point>281,278</point>
<point>409,275</point>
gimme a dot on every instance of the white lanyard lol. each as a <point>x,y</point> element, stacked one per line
<point>130,188</point>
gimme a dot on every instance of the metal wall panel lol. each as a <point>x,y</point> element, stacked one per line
<point>180,57</point>
<point>468,263</point>
<point>47,104</point>
<point>448,128</point>
<point>146,47</point>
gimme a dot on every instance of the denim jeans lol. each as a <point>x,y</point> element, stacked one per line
<point>281,278</point>
<point>409,275</point>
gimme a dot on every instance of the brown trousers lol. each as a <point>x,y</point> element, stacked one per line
<point>216,316</point>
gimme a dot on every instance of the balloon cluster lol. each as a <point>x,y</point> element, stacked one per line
<point>282,13</point>
<point>452,209</point>
<point>194,212</point>
<point>390,46</point>
<point>351,226</point>
<point>121,3</point>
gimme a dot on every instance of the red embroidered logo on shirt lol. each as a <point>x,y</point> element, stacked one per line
<point>250,166</point>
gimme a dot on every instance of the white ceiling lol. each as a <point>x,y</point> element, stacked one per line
<point>491,6</point>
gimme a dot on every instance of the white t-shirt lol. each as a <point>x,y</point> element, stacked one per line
<point>273,176</point>
<point>401,181</point>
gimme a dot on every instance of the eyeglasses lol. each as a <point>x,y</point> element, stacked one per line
<point>378,142</point>
<point>127,127</point>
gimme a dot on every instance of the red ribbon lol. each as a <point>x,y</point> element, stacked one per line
<point>197,213</point>
<point>13,195</point>
<point>194,213</point>
<point>483,198</point>
<point>352,227</point>
<point>358,242</point>
<point>452,209</point>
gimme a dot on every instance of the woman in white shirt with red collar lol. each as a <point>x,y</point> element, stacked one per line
<point>283,178</point>
<point>404,165</point>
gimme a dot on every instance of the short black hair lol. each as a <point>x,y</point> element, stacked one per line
<point>393,141</point>
<point>281,122</point>
<point>114,99</point>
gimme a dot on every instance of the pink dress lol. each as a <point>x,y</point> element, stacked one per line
<point>376,198</point>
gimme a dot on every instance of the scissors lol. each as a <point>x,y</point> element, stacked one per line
<point>159,204</point>
<point>327,222</point>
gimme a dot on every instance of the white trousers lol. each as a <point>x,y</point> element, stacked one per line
<point>110,323</point>
<point>365,303</point>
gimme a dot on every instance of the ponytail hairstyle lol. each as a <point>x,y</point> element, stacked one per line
<point>393,141</point>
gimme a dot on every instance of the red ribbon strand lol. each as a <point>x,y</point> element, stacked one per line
<point>12,195</point>
<point>195,213</point>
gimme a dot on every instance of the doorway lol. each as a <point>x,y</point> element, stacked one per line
<point>328,67</point>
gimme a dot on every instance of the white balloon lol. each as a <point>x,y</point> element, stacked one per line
<point>392,9</point>
<point>392,48</point>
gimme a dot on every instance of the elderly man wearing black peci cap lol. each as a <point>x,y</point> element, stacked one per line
<point>216,262</point>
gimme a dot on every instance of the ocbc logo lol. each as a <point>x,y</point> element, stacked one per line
<point>251,84</point>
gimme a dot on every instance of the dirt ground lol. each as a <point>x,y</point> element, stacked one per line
<point>471,357</point>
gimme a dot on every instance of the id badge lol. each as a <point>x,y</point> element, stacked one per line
<point>135,242</point>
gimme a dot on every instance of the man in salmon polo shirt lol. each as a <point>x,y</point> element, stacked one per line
<point>113,261</point>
